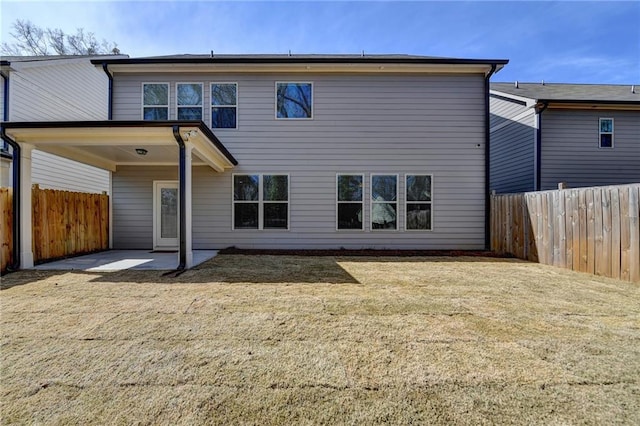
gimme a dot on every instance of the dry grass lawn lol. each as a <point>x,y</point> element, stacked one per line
<point>321,340</point>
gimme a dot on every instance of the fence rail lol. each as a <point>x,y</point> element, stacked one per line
<point>594,230</point>
<point>6,227</point>
<point>67,223</point>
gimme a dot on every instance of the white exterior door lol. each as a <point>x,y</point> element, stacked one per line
<point>166,224</point>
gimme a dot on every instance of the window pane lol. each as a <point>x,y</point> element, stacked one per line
<point>245,215</point>
<point>275,188</point>
<point>245,187</point>
<point>418,188</point>
<point>606,140</point>
<point>189,94</point>
<point>223,94</point>
<point>223,118</point>
<point>189,113</point>
<point>294,100</point>
<point>156,94</point>
<point>156,113</point>
<point>349,187</point>
<point>606,126</point>
<point>275,215</point>
<point>418,216</point>
<point>349,216</point>
<point>383,188</point>
<point>383,216</point>
<point>168,213</point>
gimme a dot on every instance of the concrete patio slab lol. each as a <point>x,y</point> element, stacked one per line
<point>118,260</point>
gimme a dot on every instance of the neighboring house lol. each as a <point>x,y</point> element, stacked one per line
<point>543,134</point>
<point>53,88</point>
<point>288,151</point>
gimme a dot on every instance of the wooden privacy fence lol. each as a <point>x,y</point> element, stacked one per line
<point>6,227</point>
<point>594,230</point>
<point>68,223</point>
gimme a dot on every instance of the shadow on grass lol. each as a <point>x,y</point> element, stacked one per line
<point>269,269</point>
<point>25,277</point>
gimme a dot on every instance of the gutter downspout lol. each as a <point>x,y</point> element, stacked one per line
<point>487,162</point>
<point>105,68</point>
<point>182,200</point>
<point>15,264</point>
<point>539,145</point>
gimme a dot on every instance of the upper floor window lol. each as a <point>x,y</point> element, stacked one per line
<point>189,101</point>
<point>418,202</point>
<point>224,105</point>
<point>294,100</point>
<point>606,133</point>
<point>155,101</point>
<point>350,201</point>
<point>384,202</point>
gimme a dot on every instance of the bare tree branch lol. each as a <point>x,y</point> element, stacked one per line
<point>30,39</point>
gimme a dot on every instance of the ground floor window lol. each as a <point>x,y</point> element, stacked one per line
<point>418,202</point>
<point>261,201</point>
<point>384,202</point>
<point>350,201</point>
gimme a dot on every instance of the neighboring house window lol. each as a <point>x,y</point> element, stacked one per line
<point>294,100</point>
<point>189,101</point>
<point>606,133</point>
<point>155,101</point>
<point>350,201</point>
<point>384,202</point>
<point>419,202</point>
<point>224,105</point>
<point>261,201</point>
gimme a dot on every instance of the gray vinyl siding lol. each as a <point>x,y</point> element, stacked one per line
<point>571,153</point>
<point>362,124</point>
<point>512,147</point>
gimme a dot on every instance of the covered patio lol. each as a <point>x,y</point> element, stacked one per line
<point>119,260</point>
<point>108,145</point>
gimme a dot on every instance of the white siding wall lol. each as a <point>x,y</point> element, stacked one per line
<point>1,99</point>
<point>6,179</point>
<point>571,153</point>
<point>55,90</point>
<point>512,146</point>
<point>365,124</point>
<point>53,172</point>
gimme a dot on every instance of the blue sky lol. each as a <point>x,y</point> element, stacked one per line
<point>569,41</point>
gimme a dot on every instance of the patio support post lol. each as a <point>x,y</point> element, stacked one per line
<point>26,240</point>
<point>188,218</point>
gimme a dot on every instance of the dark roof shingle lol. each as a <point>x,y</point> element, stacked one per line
<point>570,92</point>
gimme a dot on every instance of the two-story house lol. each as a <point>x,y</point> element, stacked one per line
<point>53,88</point>
<point>543,134</point>
<point>288,151</point>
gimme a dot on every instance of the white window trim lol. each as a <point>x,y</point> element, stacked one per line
<point>155,106</point>
<point>211,106</point>
<point>372,202</point>
<point>190,106</point>
<point>275,100</point>
<point>600,133</point>
<point>350,202</point>
<point>417,202</point>
<point>261,202</point>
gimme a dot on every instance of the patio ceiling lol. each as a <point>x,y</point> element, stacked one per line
<point>108,144</point>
